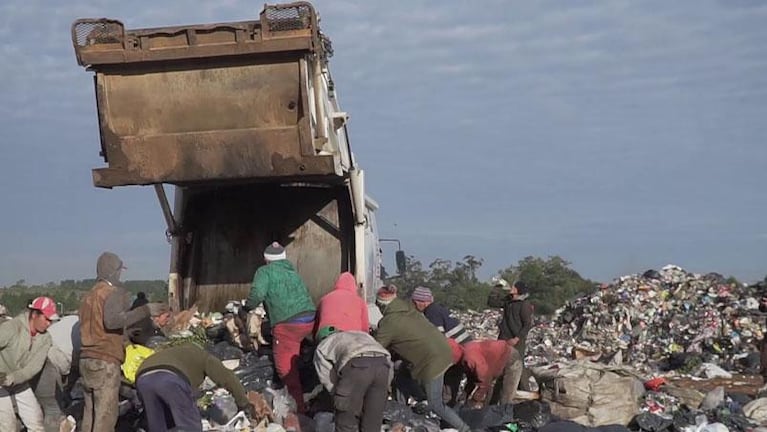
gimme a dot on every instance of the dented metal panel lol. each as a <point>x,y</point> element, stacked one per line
<point>206,103</point>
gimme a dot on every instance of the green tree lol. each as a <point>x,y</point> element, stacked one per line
<point>551,281</point>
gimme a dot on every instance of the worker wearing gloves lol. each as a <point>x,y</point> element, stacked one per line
<point>486,361</point>
<point>167,383</point>
<point>406,332</point>
<point>24,346</point>
<point>291,311</point>
<point>342,308</point>
<point>356,370</point>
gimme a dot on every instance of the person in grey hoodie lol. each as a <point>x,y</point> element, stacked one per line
<point>105,312</point>
<point>356,370</point>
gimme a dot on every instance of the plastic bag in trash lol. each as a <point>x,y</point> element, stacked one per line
<point>222,409</point>
<point>282,403</point>
<point>490,416</point>
<point>535,413</point>
<point>649,422</point>
<point>324,422</point>
<point>226,351</point>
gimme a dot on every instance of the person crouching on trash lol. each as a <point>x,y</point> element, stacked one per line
<point>485,362</point>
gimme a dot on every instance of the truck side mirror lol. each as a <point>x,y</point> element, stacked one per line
<point>401,260</point>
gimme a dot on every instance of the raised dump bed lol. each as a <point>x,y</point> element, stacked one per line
<point>214,102</point>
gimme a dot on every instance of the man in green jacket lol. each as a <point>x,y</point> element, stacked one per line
<point>24,345</point>
<point>406,332</point>
<point>167,383</point>
<point>291,312</point>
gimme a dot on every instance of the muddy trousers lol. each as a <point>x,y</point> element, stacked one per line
<point>29,410</point>
<point>434,390</point>
<point>512,373</point>
<point>48,390</point>
<point>360,395</point>
<point>101,391</point>
<point>168,400</point>
<point>287,349</point>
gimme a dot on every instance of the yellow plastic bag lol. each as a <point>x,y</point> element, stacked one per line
<point>134,356</point>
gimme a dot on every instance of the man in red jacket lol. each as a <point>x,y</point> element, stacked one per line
<point>487,360</point>
<point>342,308</point>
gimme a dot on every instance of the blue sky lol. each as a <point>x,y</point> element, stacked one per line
<point>620,135</point>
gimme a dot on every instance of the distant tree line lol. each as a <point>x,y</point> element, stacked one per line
<point>68,293</point>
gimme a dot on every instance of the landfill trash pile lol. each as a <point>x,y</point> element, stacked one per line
<point>660,320</point>
<point>480,324</point>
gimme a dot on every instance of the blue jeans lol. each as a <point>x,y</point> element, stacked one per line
<point>165,393</point>
<point>433,390</point>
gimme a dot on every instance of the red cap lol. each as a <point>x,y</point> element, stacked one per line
<point>47,306</point>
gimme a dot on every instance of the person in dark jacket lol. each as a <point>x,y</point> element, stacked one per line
<point>167,383</point>
<point>141,300</point>
<point>406,332</point>
<point>440,316</point>
<point>291,312</point>
<point>159,316</point>
<point>516,322</point>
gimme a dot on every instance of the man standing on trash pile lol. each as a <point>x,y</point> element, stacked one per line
<point>60,371</point>
<point>406,332</point>
<point>152,325</point>
<point>104,314</point>
<point>440,316</point>
<point>516,320</point>
<point>167,383</point>
<point>356,370</point>
<point>342,308</point>
<point>24,346</point>
<point>486,361</point>
<point>291,312</point>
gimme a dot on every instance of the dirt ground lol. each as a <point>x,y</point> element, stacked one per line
<point>746,384</point>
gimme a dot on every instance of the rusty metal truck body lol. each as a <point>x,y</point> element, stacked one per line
<point>242,119</point>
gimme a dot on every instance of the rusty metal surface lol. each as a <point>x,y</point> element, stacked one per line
<point>230,227</point>
<point>285,27</point>
<point>205,103</point>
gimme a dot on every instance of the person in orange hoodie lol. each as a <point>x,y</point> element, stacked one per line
<point>343,308</point>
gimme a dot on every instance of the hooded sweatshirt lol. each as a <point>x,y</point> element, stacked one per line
<point>343,308</point>
<point>516,321</point>
<point>408,333</point>
<point>486,360</point>
<point>22,355</point>
<point>105,312</point>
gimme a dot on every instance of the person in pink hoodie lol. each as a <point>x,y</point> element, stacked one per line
<point>343,308</point>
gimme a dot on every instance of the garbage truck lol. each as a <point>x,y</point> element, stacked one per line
<point>241,121</point>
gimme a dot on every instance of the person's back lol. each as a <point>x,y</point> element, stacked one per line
<point>406,331</point>
<point>342,308</point>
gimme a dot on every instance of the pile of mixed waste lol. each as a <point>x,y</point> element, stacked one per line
<point>667,319</point>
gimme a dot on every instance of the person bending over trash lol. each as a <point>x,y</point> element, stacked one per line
<point>486,361</point>
<point>356,370</point>
<point>291,312</point>
<point>152,325</point>
<point>406,332</point>
<point>167,383</point>
<point>342,308</point>
<point>24,346</point>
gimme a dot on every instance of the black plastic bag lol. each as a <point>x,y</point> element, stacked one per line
<point>649,422</point>
<point>535,413</point>
<point>487,417</point>
<point>226,351</point>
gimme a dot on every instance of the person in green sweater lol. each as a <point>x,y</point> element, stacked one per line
<point>291,312</point>
<point>406,332</point>
<point>167,383</point>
